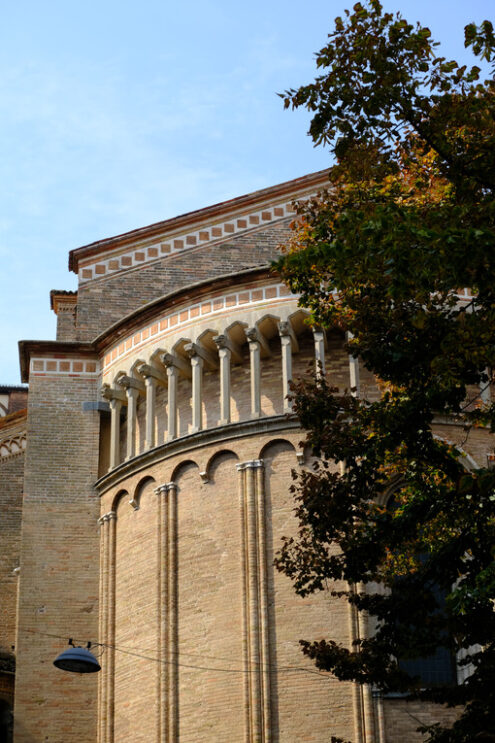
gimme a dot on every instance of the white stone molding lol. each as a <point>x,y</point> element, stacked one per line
<point>180,318</point>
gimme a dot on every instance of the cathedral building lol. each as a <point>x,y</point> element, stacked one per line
<point>145,489</point>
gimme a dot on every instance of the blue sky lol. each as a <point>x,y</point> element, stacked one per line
<point>114,115</point>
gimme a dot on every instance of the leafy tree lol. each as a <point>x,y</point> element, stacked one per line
<point>385,254</point>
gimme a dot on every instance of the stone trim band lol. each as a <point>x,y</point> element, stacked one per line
<point>120,261</point>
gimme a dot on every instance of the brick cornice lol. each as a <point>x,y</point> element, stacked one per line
<point>288,190</point>
<point>63,299</point>
<point>28,349</point>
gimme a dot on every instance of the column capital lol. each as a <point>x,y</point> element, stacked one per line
<point>112,394</point>
<point>130,383</point>
<point>151,372</point>
<point>256,338</point>
<point>165,487</point>
<point>251,464</point>
<point>319,333</point>
<point>286,333</point>
<point>225,343</point>
<point>196,351</point>
<point>107,517</point>
<point>172,361</point>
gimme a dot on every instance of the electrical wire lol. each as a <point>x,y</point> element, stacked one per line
<point>135,653</point>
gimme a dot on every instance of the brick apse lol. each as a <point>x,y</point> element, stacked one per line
<point>160,445</point>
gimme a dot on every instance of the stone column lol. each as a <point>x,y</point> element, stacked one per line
<point>132,399</point>
<point>255,363</point>
<point>133,388</point>
<point>152,377</point>
<point>286,332</point>
<point>485,391</point>
<point>199,356</point>
<point>174,366</point>
<point>319,339</point>
<point>255,603</point>
<point>353,371</point>
<point>367,698</point>
<point>115,407</point>
<point>172,375</point>
<point>259,473</point>
<point>116,398</point>
<point>197,391</point>
<point>150,438</point>
<point>224,354</point>
<point>357,701</point>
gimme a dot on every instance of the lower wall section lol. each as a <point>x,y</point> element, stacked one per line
<point>206,632</point>
<point>202,631</point>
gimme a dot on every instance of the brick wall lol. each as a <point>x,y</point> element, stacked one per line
<point>58,592</point>
<point>403,717</point>
<point>11,489</point>
<point>105,301</point>
<point>210,536</point>
<point>11,486</point>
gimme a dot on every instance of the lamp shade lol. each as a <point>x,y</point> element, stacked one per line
<point>77,660</point>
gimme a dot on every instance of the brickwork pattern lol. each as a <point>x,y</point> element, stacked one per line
<point>11,488</point>
<point>59,565</point>
<point>211,680</point>
<point>104,302</point>
<point>403,717</point>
